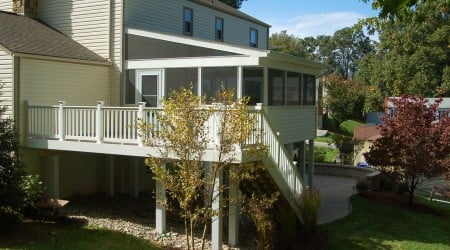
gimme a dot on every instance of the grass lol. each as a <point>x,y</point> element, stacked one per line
<point>348,127</point>
<point>324,154</point>
<point>68,235</point>
<point>373,225</point>
<point>328,138</point>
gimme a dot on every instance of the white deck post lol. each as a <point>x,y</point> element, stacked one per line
<point>99,122</point>
<point>110,175</point>
<point>160,208</point>
<point>135,177</point>
<point>233,217</point>
<point>217,220</point>
<point>311,163</point>
<point>140,116</point>
<point>61,120</point>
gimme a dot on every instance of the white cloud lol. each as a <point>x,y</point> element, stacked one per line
<point>316,24</point>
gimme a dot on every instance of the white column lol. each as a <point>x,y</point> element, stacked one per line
<point>140,115</point>
<point>99,122</point>
<point>266,87</point>
<point>239,82</point>
<point>311,163</point>
<point>54,176</point>
<point>160,208</point>
<point>61,121</point>
<point>135,177</point>
<point>217,220</point>
<point>110,175</point>
<point>233,217</point>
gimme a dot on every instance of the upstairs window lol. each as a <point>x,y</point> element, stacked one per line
<point>188,21</point>
<point>254,38</point>
<point>219,29</point>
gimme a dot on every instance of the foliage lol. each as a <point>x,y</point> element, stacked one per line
<point>234,3</point>
<point>184,135</point>
<point>362,186</point>
<point>309,207</point>
<point>33,190</point>
<point>377,225</point>
<point>11,169</point>
<point>259,207</point>
<point>415,144</point>
<point>391,9</point>
<point>345,98</point>
<point>413,53</point>
<point>339,52</point>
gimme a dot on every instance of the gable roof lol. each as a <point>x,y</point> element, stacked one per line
<point>25,35</point>
<point>367,133</point>
<point>218,5</point>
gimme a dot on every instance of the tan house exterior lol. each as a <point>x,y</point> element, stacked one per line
<point>76,74</point>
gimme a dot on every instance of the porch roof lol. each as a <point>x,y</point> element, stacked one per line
<point>246,56</point>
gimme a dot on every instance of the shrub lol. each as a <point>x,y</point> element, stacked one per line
<point>33,190</point>
<point>362,186</point>
<point>309,207</point>
<point>8,218</point>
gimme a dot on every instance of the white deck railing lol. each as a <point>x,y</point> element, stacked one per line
<point>100,124</point>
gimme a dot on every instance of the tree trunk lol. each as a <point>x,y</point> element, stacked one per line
<point>411,193</point>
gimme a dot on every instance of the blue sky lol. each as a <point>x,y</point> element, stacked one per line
<point>308,17</point>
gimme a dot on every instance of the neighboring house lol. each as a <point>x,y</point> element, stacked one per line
<point>443,108</point>
<point>75,74</point>
<point>364,137</point>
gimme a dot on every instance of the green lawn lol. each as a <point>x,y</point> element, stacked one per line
<point>328,138</point>
<point>324,154</point>
<point>348,126</point>
<point>42,235</point>
<point>373,225</point>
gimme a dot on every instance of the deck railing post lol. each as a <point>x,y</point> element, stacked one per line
<point>279,148</point>
<point>140,117</point>
<point>99,122</point>
<point>61,120</point>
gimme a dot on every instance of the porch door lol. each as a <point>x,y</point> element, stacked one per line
<point>149,87</point>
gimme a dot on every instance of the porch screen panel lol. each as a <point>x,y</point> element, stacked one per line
<point>214,78</point>
<point>276,87</point>
<point>182,77</point>
<point>293,88</point>
<point>253,84</point>
<point>130,87</point>
<point>310,90</point>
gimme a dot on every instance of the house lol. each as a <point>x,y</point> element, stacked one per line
<point>443,108</point>
<point>364,136</point>
<point>76,74</point>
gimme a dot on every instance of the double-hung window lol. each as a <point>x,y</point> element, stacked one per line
<point>219,29</point>
<point>188,21</point>
<point>254,38</point>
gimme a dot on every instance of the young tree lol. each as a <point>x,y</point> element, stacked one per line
<point>345,98</point>
<point>184,135</point>
<point>415,143</point>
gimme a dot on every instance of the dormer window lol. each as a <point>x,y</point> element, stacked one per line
<point>188,21</point>
<point>254,38</point>
<point>219,29</point>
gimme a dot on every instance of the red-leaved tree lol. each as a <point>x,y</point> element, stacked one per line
<point>415,142</point>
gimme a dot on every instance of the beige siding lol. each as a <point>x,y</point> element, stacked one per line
<point>86,21</point>
<point>294,123</point>
<point>6,79</point>
<point>46,83</point>
<point>166,16</point>
<point>6,5</point>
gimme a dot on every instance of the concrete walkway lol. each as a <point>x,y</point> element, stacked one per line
<point>335,192</point>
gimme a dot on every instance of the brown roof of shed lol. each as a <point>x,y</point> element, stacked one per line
<point>366,133</point>
<point>25,35</point>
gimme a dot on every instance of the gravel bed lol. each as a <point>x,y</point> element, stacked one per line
<point>134,216</point>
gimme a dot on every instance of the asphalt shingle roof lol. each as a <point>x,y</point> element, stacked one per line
<point>367,133</point>
<point>21,34</point>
